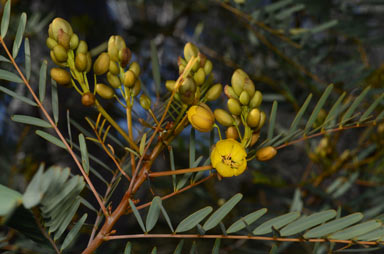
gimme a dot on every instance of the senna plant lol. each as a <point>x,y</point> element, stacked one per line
<point>54,209</point>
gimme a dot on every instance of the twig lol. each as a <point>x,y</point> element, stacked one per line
<point>35,216</point>
<point>179,171</point>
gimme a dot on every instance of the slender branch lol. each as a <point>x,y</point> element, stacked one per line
<point>179,171</point>
<point>35,216</point>
<point>52,123</point>
<point>259,238</point>
<point>129,124</point>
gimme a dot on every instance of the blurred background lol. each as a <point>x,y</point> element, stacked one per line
<point>290,48</point>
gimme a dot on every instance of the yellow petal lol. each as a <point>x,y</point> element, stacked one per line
<point>224,170</point>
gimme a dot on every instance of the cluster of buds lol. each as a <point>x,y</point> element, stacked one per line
<point>197,85</point>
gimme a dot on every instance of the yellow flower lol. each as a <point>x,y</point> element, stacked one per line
<point>201,117</point>
<point>228,157</point>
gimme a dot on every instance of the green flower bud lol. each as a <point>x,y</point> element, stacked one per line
<point>51,43</point>
<point>124,56</point>
<point>187,87</point>
<point>208,67</point>
<point>129,78</point>
<point>256,100</point>
<point>113,80</point>
<point>199,76</point>
<point>266,153</point>
<point>237,81</point>
<point>59,24</point>
<point>145,102</point>
<point>136,88</point>
<point>201,117</point>
<point>50,32</point>
<point>63,39</point>
<point>223,117</point>
<point>89,62</point>
<point>55,60</point>
<point>81,62</point>
<point>190,50</point>
<point>74,42</point>
<point>82,47</point>
<point>244,98</point>
<point>115,44</point>
<point>113,67</point>
<point>232,132</point>
<point>60,53</point>
<point>196,65</point>
<point>181,61</point>
<point>214,92</point>
<point>263,117</point>
<point>101,64</point>
<point>181,69</point>
<point>135,67</point>
<point>249,87</point>
<point>88,99</point>
<point>253,118</point>
<point>229,92</point>
<point>61,76</point>
<point>234,106</point>
<point>104,91</point>
<point>170,85</point>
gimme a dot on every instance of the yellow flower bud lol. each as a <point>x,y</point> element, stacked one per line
<point>253,118</point>
<point>223,117</point>
<point>199,76</point>
<point>59,24</point>
<point>181,61</point>
<point>61,76</point>
<point>229,92</point>
<point>255,138</point>
<point>244,98</point>
<point>232,133</point>
<point>124,56</point>
<point>52,54</point>
<point>113,80</point>
<point>234,106</point>
<point>82,47</point>
<point>129,78</point>
<point>214,92</point>
<point>115,44</point>
<point>190,50</point>
<point>88,99</point>
<point>170,85</point>
<point>256,100</point>
<point>136,88</point>
<point>187,87</point>
<point>201,117</point>
<point>104,91</point>
<point>249,87</point>
<point>145,102</point>
<point>51,43</point>
<point>135,67</point>
<point>208,67</point>
<point>63,39</point>
<point>266,153</point>
<point>89,62</point>
<point>74,42</point>
<point>60,53</point>
<point>101,64</point>
<point>81,62</point>
<point>228,157</point>
<point>114,68</point>
<point>237,81</point>
<point>263,117</point>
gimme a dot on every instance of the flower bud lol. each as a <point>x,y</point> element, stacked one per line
<point>255,138</point>
<point>214,92</point>
<point>256,100</point>
<point>199,76</point>
<point>51,43</point>
<point>249,87</point>
<point>170,85</point>
<point>113,80</point>
<point>89,62</point>
<point>263,117</point>
<point>202,59</point>
<point>145,102</point>
<point>253,118</point>
<point>201,117</point>
<point>244,98</point>
<point>82,47</point>
<point>135,67</point>
<point>59,24</point>
<point>104,91</point>
<point>81,62</point>
<point>136,88</point>
<point>229,92</point>
<point>181,69</point>
<point>208,67</point>
<point>234,106</point>
<point>124,56</point>
<point>188,87</point>
<point>88,99</point>
<point>101,64</point>
<point>266,153</point>
<point>63,39</point>
<point>223,117</point>
<point>232,133</point>
<point>190,50</point>
<point>114,68</point>
<point>115,44</point>
<point>237,81</point>
<point>196,65</point>
<point>74,41</point>
<point>61,76</point>
<point>181,61</point>
<point>60,53</point>
<point>52,54</point>
<point>129,78</point>
<point>50,32</point>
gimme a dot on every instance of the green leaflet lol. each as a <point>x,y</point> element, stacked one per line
<point>31,120</point>
<point>9,200</point>
<point>42,80</point>
<point>179,247</point>
<point>220,213</point>
<point>73,233</point>
<point>356,230</point>
<point>153,213</point>
<point>128,248</point>
<point>137,215</point>
<point>192,220</point>
<point>276,223</point>
<point>27,57</point>
<point>333,226</point>
<point>249,219</point>
<point>84,153</point>
<point>19,35</point>
<point>155,67</point>
<point>50,138</point>
<point>5,19</point>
